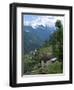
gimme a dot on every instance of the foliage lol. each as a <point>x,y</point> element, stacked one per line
<point>52,68</point>
<point>40,71</point>
<point>44,51</point>
<point>57,40</point>
<point>28,63</point>
<point>55,68</point>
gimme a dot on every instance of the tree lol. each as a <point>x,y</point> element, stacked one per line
<point>57,40</point>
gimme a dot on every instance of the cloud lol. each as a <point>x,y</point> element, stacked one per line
<point>45,21</point>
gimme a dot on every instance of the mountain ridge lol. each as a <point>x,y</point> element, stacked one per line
<point>35,37</point>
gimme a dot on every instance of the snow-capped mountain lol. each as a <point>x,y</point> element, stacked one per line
<point>38,20</point>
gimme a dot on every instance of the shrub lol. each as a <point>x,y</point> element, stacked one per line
<point>55,67</point>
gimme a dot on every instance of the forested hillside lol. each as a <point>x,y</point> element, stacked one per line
<point>41,46</point>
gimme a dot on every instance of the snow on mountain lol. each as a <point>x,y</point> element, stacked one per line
<point>48,21</point>
<point>44,21</point>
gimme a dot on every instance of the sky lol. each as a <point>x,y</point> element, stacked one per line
<point>35,20</point>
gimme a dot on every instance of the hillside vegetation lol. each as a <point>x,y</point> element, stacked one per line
<point>53,47</point>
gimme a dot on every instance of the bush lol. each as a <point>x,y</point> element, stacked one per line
<point>52,68</point>
<point>33,66</point>
<point>29,63</point>
<point>40,71</point>
<point>55,68</point>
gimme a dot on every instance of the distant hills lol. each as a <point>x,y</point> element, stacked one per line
<point>34,38</point>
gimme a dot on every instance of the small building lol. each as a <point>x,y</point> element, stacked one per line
<point>45,61</point>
